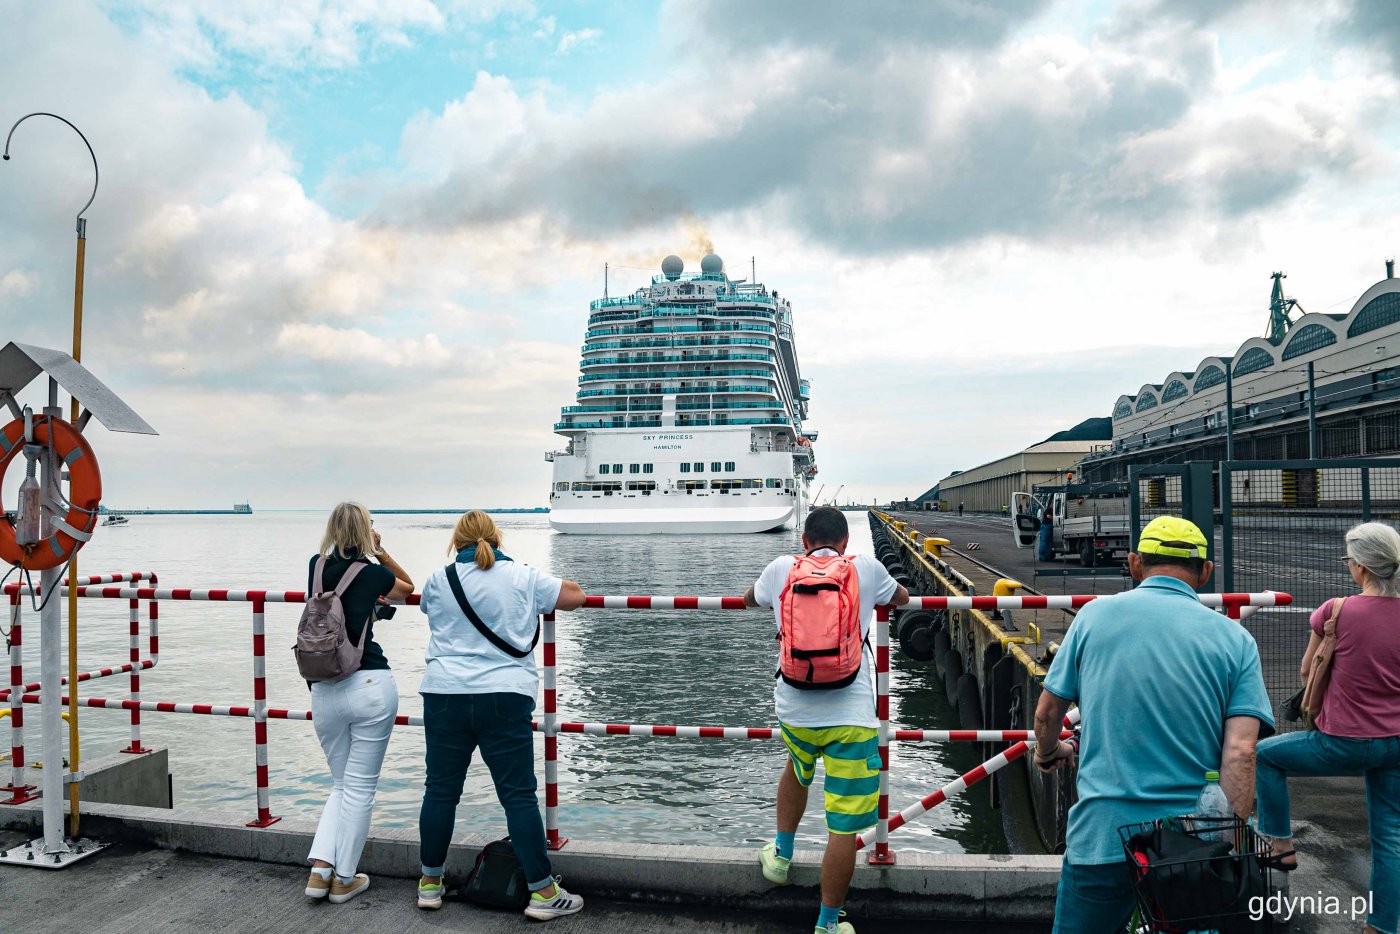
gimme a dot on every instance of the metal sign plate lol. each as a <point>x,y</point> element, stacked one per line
<point>21,363</point>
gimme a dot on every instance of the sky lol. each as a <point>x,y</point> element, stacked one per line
<point>345,249</point>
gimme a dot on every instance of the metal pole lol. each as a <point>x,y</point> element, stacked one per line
<point>51,665</point>
<point>881,855</point>
<point>81,226</point>
<point>74,752</point>
<point>1229,410</point>
<point>1312,414</point>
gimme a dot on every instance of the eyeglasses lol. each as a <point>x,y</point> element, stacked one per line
<point>1345,559</point>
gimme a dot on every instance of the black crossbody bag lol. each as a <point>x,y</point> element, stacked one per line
<point>456,584</point>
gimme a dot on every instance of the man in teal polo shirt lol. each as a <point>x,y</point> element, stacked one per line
<point>1168,690</point>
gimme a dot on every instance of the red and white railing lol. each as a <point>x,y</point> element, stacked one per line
<point>260,713</point>
<point>16,694</point>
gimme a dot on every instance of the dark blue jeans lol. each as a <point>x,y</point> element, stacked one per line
<point>1093,899</point>
<point>498,725</point>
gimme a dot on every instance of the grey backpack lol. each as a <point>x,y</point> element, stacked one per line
<point>323,649</point>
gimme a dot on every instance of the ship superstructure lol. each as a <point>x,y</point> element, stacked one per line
<point>689,412</point>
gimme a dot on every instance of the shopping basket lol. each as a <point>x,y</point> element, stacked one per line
<point>1199,874</point>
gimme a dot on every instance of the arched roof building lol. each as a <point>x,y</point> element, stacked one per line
<point>1356,364</point>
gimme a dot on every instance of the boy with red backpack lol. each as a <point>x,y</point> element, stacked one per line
<point>824,693</point>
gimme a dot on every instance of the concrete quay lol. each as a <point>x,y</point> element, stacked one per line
<point>645,887</point>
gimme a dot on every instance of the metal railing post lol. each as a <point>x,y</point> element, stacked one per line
<point>19,791</point>
<point>551,735</point>
<point>881,855</point>
<point>264,818</point>
<point>134,656</point>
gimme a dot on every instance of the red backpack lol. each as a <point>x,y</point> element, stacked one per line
<point>819,636</point>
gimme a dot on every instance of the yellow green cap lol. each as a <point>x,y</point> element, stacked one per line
<point>1172,536</point>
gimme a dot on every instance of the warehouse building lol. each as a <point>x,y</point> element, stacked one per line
<point>988,487</point>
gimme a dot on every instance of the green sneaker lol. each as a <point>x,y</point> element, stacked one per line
<point>775,868</point>
<point>430,896</point>
<point>842,927</point>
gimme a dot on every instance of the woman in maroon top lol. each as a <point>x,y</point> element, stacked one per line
<point>1358,729</point>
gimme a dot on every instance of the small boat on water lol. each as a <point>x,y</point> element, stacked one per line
<point>116,520</point>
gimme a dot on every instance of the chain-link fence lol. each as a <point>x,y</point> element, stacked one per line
<point>1283,527</point>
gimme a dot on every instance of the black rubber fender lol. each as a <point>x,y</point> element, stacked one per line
<point>942,648</point>
<point>952,672</point>
<point>917,631</point>
<point>969,703</point>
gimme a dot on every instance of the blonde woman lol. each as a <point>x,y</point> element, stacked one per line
<point>355,715</point>
<point>1358,729</point>
<point>479,693</point>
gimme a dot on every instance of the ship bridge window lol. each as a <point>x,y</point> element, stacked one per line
<point>605,468</point>
<point>773,483</point>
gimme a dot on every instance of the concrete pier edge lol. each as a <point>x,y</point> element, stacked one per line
<point>920,885</point>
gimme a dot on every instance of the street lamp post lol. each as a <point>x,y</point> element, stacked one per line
<point>73,750</point>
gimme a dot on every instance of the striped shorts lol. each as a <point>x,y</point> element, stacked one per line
<point>851,759</point>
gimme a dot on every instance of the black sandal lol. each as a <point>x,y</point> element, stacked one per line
<point>1275,860</point>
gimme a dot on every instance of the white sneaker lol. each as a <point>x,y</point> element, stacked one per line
<point>558,905</point>
<point>342,892</point>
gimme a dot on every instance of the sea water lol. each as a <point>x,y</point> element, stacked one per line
<point>680,667</point>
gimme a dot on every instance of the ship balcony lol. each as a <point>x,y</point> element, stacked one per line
<point>621,301</point>
<point>682,329</point>
<point>699,372</point>
<point>672,358</point>
<point>610,423</point>
<point>686,422</point>
<point>704,407</point>
<point>674,391</point>
<point>615,407</point>
<point>757,298</point>
<point>710,312</point>
<point>671,342</point>
<point>804,389</point>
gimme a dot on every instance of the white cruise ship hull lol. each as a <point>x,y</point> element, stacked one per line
<point>663,519</point>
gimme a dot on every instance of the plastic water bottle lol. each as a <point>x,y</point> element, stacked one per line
<point>1213,804</point>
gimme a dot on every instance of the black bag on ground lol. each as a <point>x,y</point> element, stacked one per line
<point>497,881</point>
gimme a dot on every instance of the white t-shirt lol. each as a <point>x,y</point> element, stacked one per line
<point>508,598</point>
<point>853,705</point>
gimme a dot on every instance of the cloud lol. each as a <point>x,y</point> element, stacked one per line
<point>17,283</point>
<point>296,35</point>
<point>576,39</point>
<point>920,139</point>
<point>353,347</point>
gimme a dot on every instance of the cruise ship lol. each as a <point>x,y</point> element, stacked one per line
<point>689,412</point>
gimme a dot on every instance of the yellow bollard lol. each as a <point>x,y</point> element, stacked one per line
<point>1006,587</point>
<point>935,546</point>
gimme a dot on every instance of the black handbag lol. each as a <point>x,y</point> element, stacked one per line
<point>1184,880</point>
<point>497,881</point>
<point>1292,709</point>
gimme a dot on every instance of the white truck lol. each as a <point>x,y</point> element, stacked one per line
<point>1089,520</point>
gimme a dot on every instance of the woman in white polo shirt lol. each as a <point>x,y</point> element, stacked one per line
<point>479,693</point>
